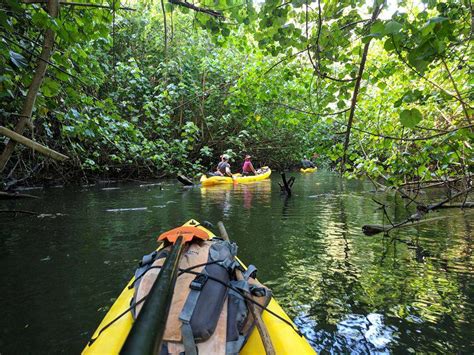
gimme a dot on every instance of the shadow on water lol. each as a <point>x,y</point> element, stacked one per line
<point>411,291</point>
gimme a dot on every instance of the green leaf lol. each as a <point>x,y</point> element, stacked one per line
<point>4,21</point>
<point>62,76</point>
<point>50,88</point>
<point>367,38</point>
<point>393,27</point>
<point>225,31</point>
<point>437,19</point>
<point>17,59</point>
<point>377,27</point>
<point>410,118</point>
<point>183,9</point>
<point>382,85</point>
<point>40,19</point>
<point>15,5</point>
<point>416,58</point>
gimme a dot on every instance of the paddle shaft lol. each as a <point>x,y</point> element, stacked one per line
<point>147,331</point>
<point>262,329</point>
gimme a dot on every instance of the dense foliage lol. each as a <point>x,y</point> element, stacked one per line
<point>165,89</point>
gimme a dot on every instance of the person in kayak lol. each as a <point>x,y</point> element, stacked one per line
<point>307,163</point>
<point>217,167</point>
<point>248,168</point>
<point>223,168</point>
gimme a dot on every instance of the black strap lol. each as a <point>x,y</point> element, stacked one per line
<point>189,271</point>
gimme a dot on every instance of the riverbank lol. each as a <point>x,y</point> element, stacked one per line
<point>69,175</point>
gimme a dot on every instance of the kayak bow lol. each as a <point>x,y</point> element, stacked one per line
<point>116,326</point>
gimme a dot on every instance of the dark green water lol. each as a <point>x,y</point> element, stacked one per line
<point>410,292</point>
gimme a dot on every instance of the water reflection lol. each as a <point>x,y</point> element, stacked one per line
<point>356,333</point>
<point>223,194</point>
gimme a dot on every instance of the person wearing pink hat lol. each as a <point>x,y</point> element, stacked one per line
<point>248,168</point>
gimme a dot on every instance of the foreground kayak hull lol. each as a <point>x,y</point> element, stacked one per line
<point>308,170</point>
<point>111,339</point>
<point>222,180</point>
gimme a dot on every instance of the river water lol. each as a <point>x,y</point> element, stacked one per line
<point>411,291</point>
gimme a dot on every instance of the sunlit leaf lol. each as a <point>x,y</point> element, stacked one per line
<point>392,27</point>
<point>410,118</point>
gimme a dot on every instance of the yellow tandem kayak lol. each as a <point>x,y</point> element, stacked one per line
<point>114,329</point>
<point>238,178</point>
<point>308,170</point>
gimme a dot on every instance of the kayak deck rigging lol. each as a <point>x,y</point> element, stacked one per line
<point>116,325</point>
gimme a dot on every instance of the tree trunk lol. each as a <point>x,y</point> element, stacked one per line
<point>375,13</point>
<point>165,28</point>
<point>28,105</point>
<point>32,144</point>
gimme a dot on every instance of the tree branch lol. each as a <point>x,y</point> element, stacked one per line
<point>32,144</point>
<point>312,47</point>
<point>412,139</point>
<point>210,12</point>
<point>371,229</point>
<point>71,3</point>
<point>457,91</point>
<point>353,23</point>
<point>309,112</point>
<point>164,27</point>
<point>376,12</point>
<point>317,65</point>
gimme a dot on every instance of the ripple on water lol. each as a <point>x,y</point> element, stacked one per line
<point>355,333</point>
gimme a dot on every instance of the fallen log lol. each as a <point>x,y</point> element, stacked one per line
<point>32,144</point>
<point>185,180</point>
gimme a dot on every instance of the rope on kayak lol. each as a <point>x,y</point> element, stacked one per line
<point>91,341</point>
<point>132,284</point>
<point>250,300</point>
<point>189,271</point>
<point>181,271</point>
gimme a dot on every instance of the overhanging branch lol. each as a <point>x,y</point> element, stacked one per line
<point>83,4</point>
<point>309,112</point>
<point>413,139</point>
<point>197,9</point>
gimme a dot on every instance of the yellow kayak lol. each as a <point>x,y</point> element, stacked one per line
<point>115,327</point>
<point>237,178</point>
<point>308,170</point>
